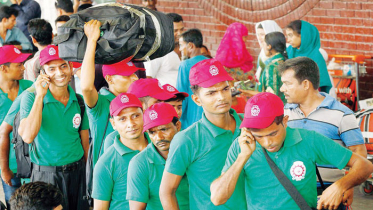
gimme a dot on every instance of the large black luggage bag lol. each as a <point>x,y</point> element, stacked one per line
<point>127,32</point>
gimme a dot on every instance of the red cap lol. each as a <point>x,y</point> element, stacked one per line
<point>261,110</point>
<point>171,89</point>
<point>207,73</point>
<point>149,87</point>
<point>76,65</point>
<point>11,54</point>
<point>122,101</point>
<point>122,68</point>
<point>158,114</point>
<point>50,53</point>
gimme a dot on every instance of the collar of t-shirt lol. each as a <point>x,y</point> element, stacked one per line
<point>106,93</point>
<point>292,138</point>
<point>122,149</point>
<point>216,131</point>
<point>326,103</point>
<point>50,99</point>
<point>153,156</point>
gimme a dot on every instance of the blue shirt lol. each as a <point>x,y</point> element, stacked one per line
<point>191,112</point>
<point>16,35</point>
<point>27,10</point>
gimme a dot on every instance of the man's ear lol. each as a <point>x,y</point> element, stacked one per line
<point>112,122</point>
<point>33,40</point>
<point>109,79</point>
<point>285,120</point>
<point>196,100</point>
<point>306,84</point>
<point>3,68</point>
<point>178,125</point>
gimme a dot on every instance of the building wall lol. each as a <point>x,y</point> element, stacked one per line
<point>346,26</point>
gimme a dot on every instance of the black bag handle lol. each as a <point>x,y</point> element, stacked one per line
<point>286,183</point>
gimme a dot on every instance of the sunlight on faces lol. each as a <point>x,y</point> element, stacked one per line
<point>59,72</point>
<point>129,123</point>
<point>216,99</point>
<point>183,48</point>
<point>178,30</point>
<point>10,22</point>
<point>293,38</point>
<point>120,83</point>
<point>178,105</point>
<point>272,138</point>
<point>15,71</point>
<point>294,91</point>
<point>162,135</point>
<point>261,34</point>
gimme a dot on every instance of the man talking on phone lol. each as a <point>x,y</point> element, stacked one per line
<point>56,127</point>
<point>293,151</point>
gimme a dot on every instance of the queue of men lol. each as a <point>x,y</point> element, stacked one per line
<point>157,146</point>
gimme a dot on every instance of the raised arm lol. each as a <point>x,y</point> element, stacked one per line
<point>6,173</point>
<point>167,191</point>
<point>90,95</point>
<point>223,187</point>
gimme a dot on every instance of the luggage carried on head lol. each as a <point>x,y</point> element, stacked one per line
<point>128,32</point>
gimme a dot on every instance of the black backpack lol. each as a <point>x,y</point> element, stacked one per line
<point>128,32</point>
<point>24,165</point>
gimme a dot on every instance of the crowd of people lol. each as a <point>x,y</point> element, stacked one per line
<point>183,131</point>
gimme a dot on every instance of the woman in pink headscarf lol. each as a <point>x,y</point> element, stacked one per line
<point>232,52</point>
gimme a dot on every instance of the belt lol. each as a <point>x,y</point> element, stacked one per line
<point>65,168</point>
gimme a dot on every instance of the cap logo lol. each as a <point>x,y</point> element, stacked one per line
<point>130,64</point>
<point>124,99</point>
<point>255,110</point>
<point>171,89</point>
<point>214,70</point>
<point>16,50</point>
<point>52,51</point>
<point>153,115</point>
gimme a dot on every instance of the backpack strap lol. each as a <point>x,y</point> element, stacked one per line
<point>82,107</point>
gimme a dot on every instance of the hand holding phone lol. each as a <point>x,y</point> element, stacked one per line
<point>247,143</point>
<point>42,83</point>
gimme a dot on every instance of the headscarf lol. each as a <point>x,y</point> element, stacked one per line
<point>268,26</point>
<point>232,52</point>
<point>309,47</point>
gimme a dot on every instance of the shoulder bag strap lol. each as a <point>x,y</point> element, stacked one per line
<point>286,183</point>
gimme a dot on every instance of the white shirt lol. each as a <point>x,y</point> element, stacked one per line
<point>165,69</point>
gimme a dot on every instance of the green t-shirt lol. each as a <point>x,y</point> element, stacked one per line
<point>297,158</point>
<point>110,175</point>
<point>144,179</point>
<point>58,141</point>
<point>200,152</point>
<point>98,117</point>
<point>5,107</point>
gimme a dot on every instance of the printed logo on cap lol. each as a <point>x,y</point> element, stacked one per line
<point>77,120</point>
<point>124,99</point>
<point>153,115</point>
<point>298,171</point>
<point>16,50</point>
<point>214,70</point>
<point>52,51</point>
<point>130,63</point>
<point>255,110</point>
<point>171,89</point>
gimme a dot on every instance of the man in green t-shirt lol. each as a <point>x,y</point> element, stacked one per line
<point>146,169</point>
<point>11,86</point>
<point>110,174</point>
<point>52,122</point>
<point>200,150</point>
<point>294,151</point>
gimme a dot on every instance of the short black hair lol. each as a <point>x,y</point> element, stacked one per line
<point>7,12</point>
<point>36,195</point>
<point>177,98</point>
<point>84,6</point>
<point>277,41</point>
<point>175,17</point>
<point>175,120</point>
<point>194,36</point>
<point>295,25</point>
<point>195,89</point>
<point>304,69</point>
<point>65,5</point>
<point>62,18</point>
<point>41,30</point>
<point>277,120</point>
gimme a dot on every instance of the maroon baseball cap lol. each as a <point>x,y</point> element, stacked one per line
<point>261,110</point>
<point>11,54</point>
<point>122,101</point>
<point>122,68</point>
<point>207,73</point>
<point>149,87</point>
<point>158,114</point>
<point>50,53</point>
<point>171,89</point>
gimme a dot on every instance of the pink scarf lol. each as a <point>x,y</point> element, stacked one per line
<point>232,52</point>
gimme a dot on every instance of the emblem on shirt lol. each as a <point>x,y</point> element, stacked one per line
<point>255,110</point>
<point>52,51</point>
<point>16,50</point>
<point>298,170</point>
<point>130,63</point>
<point>170,88</point>
<point>153,115</point>
<point>214,70</point>
<point>77,120</point>
<point>124,99</point>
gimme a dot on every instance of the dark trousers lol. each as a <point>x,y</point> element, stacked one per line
<point>70,179</point>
